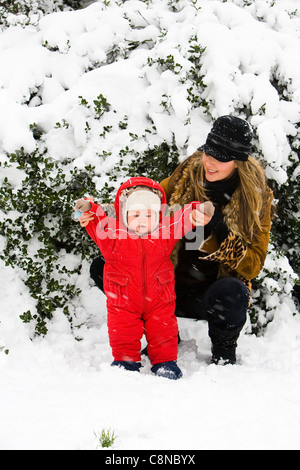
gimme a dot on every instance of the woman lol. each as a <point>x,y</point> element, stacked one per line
<point>213,282</point>
<point>213,277</point>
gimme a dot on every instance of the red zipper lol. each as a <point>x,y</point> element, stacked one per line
<point>144,274</point>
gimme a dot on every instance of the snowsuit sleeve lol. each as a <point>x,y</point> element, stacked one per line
<point>98,227</point>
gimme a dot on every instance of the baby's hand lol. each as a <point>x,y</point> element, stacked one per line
<point>85,219</point>
<point>203,215</point>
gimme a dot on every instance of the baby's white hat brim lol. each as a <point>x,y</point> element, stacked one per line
<point>142,200</point>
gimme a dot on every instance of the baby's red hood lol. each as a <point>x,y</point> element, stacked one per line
<point>138,181</point>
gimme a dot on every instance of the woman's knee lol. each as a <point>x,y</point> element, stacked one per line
<point>232,289</point>
<point>228,300</point>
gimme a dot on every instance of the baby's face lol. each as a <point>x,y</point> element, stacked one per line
<point>141,221</point>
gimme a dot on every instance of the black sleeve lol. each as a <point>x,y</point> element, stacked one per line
<point>218,226</point>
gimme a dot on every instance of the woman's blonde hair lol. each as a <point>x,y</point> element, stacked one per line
<point>253,189</point>
<point>255,194</point>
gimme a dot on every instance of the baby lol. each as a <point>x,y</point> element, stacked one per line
<point>139,276</point>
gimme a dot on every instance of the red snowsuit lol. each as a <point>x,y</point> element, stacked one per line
<point>139,280</point>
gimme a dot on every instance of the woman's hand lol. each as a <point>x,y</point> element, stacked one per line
<point>203,215</point>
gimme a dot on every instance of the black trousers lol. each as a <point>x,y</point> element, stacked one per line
<point>223,303</point>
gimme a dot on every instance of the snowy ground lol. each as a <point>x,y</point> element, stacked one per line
<point>55,392</point>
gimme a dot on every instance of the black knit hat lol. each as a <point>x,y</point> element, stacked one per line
<point>229,139</point>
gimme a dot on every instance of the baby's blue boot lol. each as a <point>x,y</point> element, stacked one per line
<point>128,365</point>
<point>169,370</point>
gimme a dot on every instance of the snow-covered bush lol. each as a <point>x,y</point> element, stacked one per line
<point>29,12</point>
<point>286,224</point>
<point>36,196</point>
<point>272,290</point>
<point>90,97</point>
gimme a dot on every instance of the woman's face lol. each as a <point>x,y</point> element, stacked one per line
<point>217,171</point>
